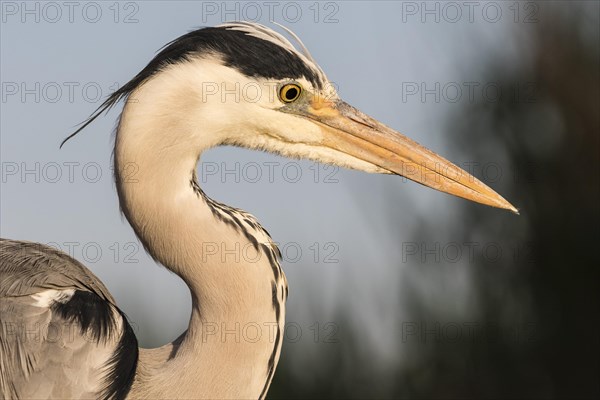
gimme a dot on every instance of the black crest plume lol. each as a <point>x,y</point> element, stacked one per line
<point>252,56</point>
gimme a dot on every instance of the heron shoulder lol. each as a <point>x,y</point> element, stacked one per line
<point>61,334</point>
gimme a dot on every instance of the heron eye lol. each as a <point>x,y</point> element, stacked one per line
<point>289,92</point>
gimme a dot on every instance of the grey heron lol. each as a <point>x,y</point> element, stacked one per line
<point>62,334</point>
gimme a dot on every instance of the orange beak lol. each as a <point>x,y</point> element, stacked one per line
<point>350,131</point>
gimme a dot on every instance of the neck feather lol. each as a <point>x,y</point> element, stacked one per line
<point>228,261</point>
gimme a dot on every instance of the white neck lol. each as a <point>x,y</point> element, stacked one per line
<point>232,345</point>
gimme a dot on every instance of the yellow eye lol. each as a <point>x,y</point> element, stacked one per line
<point>289,92</point>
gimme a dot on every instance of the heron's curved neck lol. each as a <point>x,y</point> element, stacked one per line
<point>232,344</point>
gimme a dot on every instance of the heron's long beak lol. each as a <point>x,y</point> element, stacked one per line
<point>355,133</point>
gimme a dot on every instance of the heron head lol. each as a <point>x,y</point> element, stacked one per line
<point>297,112</point>
<point>249,86</point>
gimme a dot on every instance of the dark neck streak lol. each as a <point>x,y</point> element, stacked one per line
<point>233,217</point>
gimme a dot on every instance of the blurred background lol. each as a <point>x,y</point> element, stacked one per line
<point>396,291</point>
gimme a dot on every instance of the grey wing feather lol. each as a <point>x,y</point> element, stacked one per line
<point>27,268</point>
<point>61,334</point>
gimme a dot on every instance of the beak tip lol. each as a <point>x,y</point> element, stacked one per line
<point>507,206</point>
